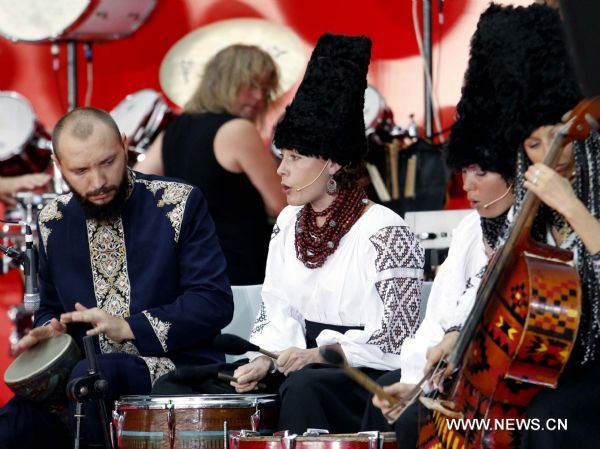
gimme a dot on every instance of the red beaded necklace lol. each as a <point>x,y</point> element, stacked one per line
<point>315,244</point>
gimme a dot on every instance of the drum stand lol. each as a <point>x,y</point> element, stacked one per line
<point>87,388</point>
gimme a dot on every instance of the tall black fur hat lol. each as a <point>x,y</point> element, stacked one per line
<point>519,78</point>
<point>325,119</point>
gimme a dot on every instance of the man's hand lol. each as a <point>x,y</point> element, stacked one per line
<point>249,374</point>
<point>38,334</point>
<point>117,329</point>
<point>12,184</point>
<point>401,392</point>
<point>293,359</point>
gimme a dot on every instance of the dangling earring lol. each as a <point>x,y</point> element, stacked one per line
<point>332,186</point>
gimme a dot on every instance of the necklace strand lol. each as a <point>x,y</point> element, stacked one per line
<point>314,244</point>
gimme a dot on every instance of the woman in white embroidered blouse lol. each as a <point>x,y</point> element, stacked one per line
<point>341,271</point>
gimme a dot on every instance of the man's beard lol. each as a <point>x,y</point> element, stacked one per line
<point>108,212</point>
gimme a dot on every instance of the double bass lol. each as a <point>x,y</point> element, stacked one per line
<point>520,333</point>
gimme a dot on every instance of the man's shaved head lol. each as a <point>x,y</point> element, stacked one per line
<point>80,123</point>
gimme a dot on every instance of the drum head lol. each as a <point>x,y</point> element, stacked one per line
<point>37,359</point>
<point>68,20</point>
<point>183,65</point>
<point>374,106</point>
<point>35,20</point>
<point>17,123</point>
<point>131,113</point>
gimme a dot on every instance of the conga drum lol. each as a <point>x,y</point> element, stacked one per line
<point>200,421</point>
<point>40,374</point>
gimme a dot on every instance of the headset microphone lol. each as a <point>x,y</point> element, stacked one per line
<point>314,180</point>
<point>485,206</point>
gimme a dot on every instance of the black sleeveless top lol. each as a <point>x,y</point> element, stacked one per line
<point>233,202</point>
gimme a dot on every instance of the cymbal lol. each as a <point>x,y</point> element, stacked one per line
<point>182,66</point>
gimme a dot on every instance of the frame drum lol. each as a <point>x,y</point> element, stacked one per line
<point>201,421</point>
<point>40,374</point>
<point>72,20</point>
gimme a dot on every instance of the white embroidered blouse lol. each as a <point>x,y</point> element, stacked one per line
<point>372,280</point>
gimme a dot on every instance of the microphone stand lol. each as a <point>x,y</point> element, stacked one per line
<point>90,387</point>
<point>20,317</point>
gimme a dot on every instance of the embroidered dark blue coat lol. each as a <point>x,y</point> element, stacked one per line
<point>160,267</point>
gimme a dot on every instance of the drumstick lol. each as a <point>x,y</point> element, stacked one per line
<point>335,358</point>
<point>228,378</point>
<point>234,345</point>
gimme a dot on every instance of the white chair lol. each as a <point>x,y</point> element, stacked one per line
<point>434,228</point>
<point>425,289</point>
<point>246,303</point>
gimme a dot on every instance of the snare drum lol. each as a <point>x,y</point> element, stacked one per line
<point>85,20</point>
<point>142,115</point>
<point>363,440</point>
<point>376,113</point>
<point>24,144</point>
<point>40,374</point>
<point>199,421</point>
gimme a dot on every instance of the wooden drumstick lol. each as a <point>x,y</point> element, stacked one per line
<point>228,378</point>
<point>335,358</point>
<point>234,345</point>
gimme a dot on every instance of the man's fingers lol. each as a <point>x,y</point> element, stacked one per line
<point>57,326</point>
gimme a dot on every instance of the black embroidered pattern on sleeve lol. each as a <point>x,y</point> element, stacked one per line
<point>397,248</point>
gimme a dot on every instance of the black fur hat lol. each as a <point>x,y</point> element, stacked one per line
<point>325,119</point>
<point>519,78</point>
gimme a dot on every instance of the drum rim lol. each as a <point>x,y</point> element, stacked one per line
<point>16,150</point>
<point>209,400</point>
<point>14,381</point>
<point>326,437</point>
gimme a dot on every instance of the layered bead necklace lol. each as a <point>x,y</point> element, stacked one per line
<point>315,244</point>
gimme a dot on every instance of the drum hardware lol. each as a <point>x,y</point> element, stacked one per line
<point>376,439</point>
<point>310,432</point>
<point>90,387</point>
<point>289,441</point>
